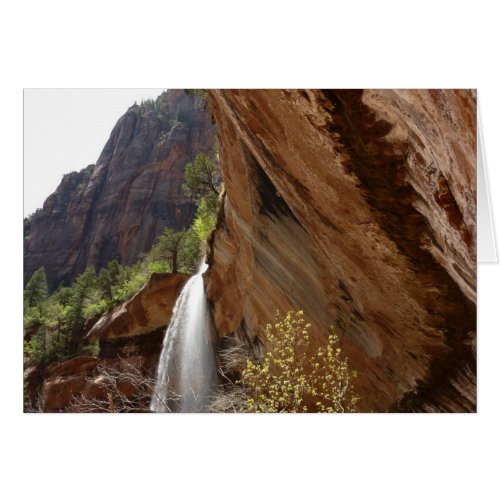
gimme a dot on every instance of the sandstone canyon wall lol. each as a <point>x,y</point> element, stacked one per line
<point>118,207</point>
<point>359,208</point>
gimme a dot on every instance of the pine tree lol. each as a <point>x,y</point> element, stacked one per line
<point>36,290</point>
<point>85,284</point>
<point>202,178</point>
<point>168,248</point>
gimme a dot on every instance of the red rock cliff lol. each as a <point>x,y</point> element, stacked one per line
<point>359,208</point>
<point>118,207</point>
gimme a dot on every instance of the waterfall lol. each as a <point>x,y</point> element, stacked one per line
<point>187,370</point>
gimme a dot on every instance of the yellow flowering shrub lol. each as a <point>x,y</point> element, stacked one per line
<point>291,378</point>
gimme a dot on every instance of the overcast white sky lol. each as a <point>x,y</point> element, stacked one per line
<point>65,130</point>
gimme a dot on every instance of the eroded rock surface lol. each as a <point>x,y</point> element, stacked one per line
<point>118,207</point>
<point>147,310</point>
<point>359,208</point>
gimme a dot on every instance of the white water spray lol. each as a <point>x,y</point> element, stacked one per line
<point>187,370</point>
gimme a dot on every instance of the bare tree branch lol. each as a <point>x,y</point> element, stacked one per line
<point>127,391</point>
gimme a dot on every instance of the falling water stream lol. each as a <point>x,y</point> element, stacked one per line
<point>187,370</point>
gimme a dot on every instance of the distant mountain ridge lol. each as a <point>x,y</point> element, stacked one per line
<point>117,207</point>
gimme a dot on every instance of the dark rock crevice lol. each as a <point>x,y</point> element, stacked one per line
<point>374,253</point>
<point>381,167</point>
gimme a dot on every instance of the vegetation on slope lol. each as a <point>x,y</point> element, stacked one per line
<point>290,377</point>
<point>54,324</point>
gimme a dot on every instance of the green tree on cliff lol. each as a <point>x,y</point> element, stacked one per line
<point>191,251</point>
<point>205,219</point>
<point>36,290</point>
<point>108,278</point>
<point>174,248</point>
<point>203,185</point>
<point>202,178</point>
<point>201,93</point>
<point>81,294</point>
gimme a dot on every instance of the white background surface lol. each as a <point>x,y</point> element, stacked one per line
<point>258,44</point>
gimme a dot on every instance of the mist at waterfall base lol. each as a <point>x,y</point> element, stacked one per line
<point>187,371</point>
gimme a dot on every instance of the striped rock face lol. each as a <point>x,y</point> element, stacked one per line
<point>359,208</point>
<point>117,207</point>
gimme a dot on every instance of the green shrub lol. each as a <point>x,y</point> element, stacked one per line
<point>95,308</point>
<point>158,266</point>
<point>36,290</point>
<point>130,286</point>
<point>204,222</point>
<point>46,346</point>
<point>291,378</point>
<point>202,177</point>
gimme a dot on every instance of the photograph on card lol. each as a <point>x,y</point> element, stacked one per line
<point>250,250</point>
